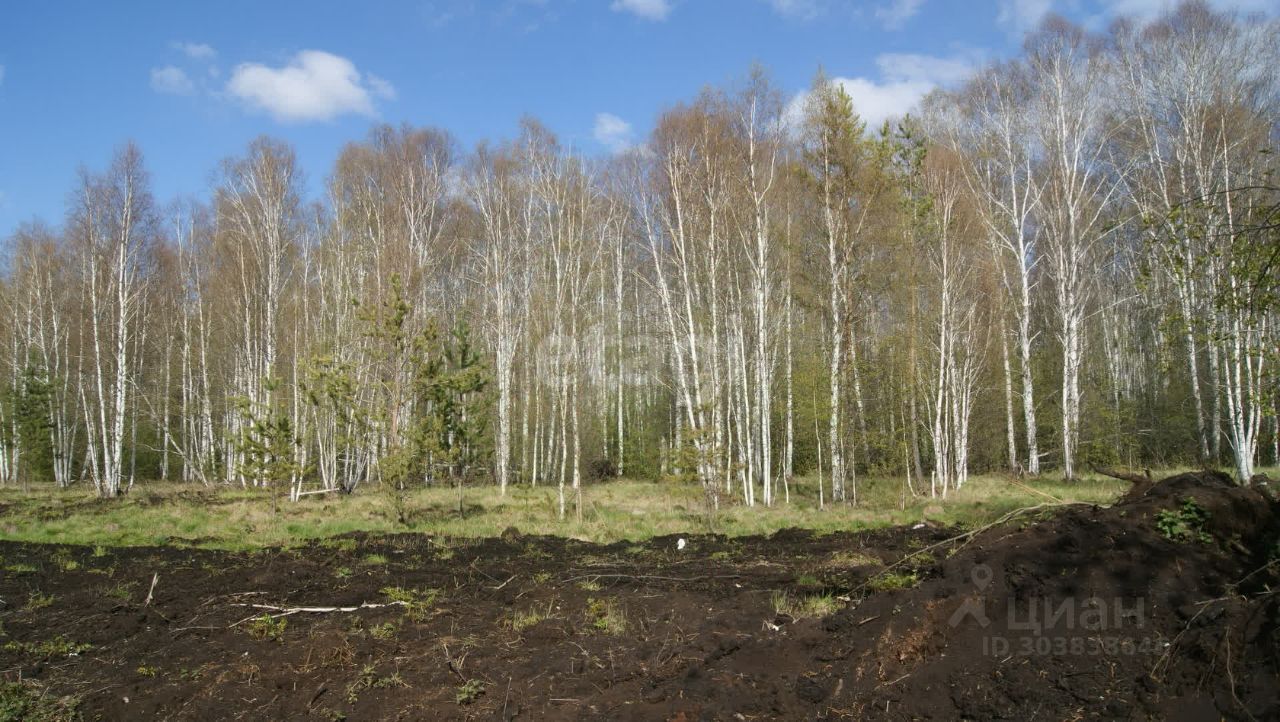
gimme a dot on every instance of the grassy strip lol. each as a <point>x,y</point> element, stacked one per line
<point>156,514</point>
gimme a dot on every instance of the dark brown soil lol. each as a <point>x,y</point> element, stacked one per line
<point>1089,613</point>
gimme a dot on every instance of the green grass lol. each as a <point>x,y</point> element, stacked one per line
<point>25,701</point>
<point>59,646</point>
<point>888,581</point>
<point>606,616</point>
<point>385,631</point>
<point>122,591</point>
<point>800,606</point>
<point>847,559</point>
<point>238,519</point>
<point>417,602</point>
<point>520,621</point>
<point>369,679</point>
<point>38,600</point>
<point>268,628</point>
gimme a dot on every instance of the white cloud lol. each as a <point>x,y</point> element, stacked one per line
<point>314,85</point>
<point>612,132</point>
<point>914,67</point>
<point>877,102</point>
<point>647,9</point>
<point>897,13</point>
<point>196,51</point>
<point>904,79</point>
<point>380,86</point>
<point>170,79</point>
<point>1019,16</point>
<point>802,9</point>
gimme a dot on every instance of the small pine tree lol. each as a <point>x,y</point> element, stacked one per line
<point>31,411</point>
<point>267,445</point>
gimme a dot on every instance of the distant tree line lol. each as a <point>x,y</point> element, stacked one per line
<point>1069,260</point>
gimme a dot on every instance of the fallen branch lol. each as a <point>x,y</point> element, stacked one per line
<point>1034,490</point>
<point>1135,479</point>
<point>650,577</point>
<point>890,684</point>
<point>286,611</point>
<point>316,491</point>
<point>969,535</point>
<point>155,578</point>
<point>500,586</point>
<point>1264,567</point>
<point>1172,646</point>
<point>324,610</point>
<point>216,597</point>
<point>456,668</point>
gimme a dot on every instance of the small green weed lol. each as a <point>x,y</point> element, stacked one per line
<point>122,591</point>
<point>469,692</point>
<point>1185,523</point>
<point>417,602</point>
<point>921,560</point>
<point>386,631</point>
<point>268,627</point>
<point>605,616</point>
<point>38,601</point>
<point>369,679</point>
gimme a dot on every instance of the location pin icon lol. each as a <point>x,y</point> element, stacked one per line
<point>981,576</point>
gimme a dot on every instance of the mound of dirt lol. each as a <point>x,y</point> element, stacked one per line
<point>1159,607</point>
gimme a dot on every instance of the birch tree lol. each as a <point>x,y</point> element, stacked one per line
<point>993,133</point>
<point>495,189</point>
<point>258,215</point>
<point>113,224</point>
<point>1068,69</point>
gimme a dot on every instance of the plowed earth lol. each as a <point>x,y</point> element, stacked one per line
<point>1155,608</point>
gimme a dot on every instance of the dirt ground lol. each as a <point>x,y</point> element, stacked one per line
<point>1155,608</point>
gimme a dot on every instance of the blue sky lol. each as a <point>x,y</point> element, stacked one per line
<point>193,83</point>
